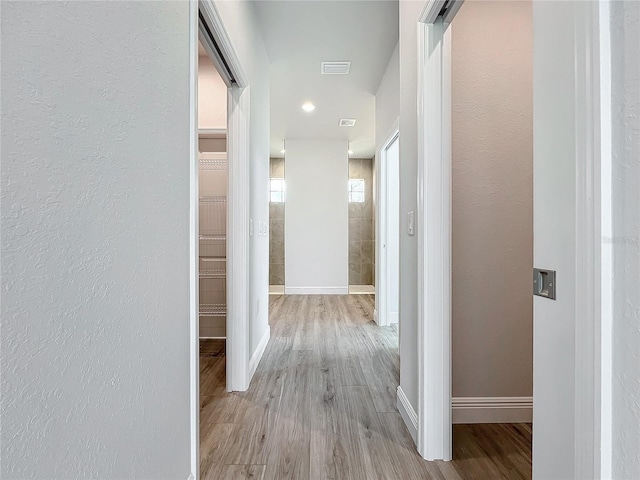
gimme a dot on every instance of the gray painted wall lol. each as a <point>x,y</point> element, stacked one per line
<point>492,204</point>
<point>409,13</point>
<point>95,240</point>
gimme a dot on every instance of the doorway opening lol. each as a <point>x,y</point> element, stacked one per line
<point>361,226</point>
<point>388,245</point>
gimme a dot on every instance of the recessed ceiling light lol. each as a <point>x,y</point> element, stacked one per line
<point>350,152</point>
<point>282,151</point>
<point>347,122</point>
<point>308,107</point>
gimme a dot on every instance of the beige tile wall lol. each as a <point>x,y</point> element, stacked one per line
<point>362,227</point>
<point>276,229</point>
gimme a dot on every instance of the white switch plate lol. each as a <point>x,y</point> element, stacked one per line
<point>251,227</point>
<point>411,223</point>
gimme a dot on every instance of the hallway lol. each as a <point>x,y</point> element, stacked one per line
<point>322,406</point>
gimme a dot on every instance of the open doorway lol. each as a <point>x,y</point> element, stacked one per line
<point>361,227</point>
<point>388,245</point>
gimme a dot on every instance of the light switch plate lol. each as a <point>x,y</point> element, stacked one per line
<point>411,221</point>
<point>251,227</point>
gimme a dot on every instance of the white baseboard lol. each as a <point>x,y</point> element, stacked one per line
<point>393,318</point>
<point>375,315</point>
<point>257,355</point>
<point>408,414</point>
<point>492,409</point>
<point>316,290</point>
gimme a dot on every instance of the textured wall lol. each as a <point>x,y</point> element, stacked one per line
<point>492,204</point>
<point>276,230</point>
<point>95,235</point>
<point>625,53</point>
<point>361,226</point>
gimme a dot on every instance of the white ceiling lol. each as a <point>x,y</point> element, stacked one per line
<point>299,35</point>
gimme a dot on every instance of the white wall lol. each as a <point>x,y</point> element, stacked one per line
<point>212,96</point>
<point>388,100</point>
<point>409,13</point>
<point>554,238</point>
<point>492,199</point>
<point>95,240</point>
<point>317,215</point>
<point>625,53</point>
<point>387,114</point>
<point>243,29</point>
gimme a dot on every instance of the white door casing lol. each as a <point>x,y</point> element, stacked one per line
<point>590,183</point>
<point>387,232</point>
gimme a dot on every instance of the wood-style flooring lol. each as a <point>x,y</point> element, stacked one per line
<point>322,405</point>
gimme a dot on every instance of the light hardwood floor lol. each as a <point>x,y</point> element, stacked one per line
<point>322,406</point>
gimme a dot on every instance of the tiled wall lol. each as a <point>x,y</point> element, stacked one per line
<point>276,229</point>
<point>362,227</point>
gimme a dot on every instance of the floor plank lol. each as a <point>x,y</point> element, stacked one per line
<point>322,406</point>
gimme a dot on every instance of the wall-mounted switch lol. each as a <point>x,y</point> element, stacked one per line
<point>411,221</point>
<point>544,283</point>
<point>251,227</point>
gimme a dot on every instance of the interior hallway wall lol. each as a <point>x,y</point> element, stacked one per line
<point>317,219</point>
<point>95,240</point>
<point>492,204</point>
<point>361,226</point>
<point>240,22</point>
<point>276,229</point>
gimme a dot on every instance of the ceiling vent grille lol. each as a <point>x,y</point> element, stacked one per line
<point>347,122</point>
<point>335,68</point>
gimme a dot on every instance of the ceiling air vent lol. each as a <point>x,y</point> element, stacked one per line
<point>347,122</point>
<point>335,68</point>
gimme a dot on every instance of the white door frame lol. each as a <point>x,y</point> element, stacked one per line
<point>382,314</point>
<point>593,217</point>
<point>238,128</point>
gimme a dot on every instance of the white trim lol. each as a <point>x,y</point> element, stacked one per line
<point>394,318</point>
<point>375,316</point>
<point>407,413</point>
<point>191,477</point>
<point>434,440</point>
<point>593,266</point>
<point>238,132</point>
<point>238,241</point>
<point>432,9</point>
<point>382,195</point>
<point>194,244</point>
<point>316,290</point>
<point>606,249</point>
<point>257,355</point>
<point>592,458</point>
<point>492,409</point>
<point>223,41</point>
